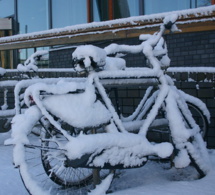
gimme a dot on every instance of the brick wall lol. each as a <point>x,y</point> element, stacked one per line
<point>192,49</point>
<point>185,49</point>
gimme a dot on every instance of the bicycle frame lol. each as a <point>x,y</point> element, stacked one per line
<point>167,94</point>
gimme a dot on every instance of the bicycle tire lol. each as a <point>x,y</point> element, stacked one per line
<point>51,175</point>
<point>194,146</point>
<point>200,119</point>
<point>55,166</point>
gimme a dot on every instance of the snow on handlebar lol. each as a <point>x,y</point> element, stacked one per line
<point>88,58</point>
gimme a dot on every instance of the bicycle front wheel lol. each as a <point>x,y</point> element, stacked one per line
<point>46,166</point>
<point>50,168</point>
<point>55,165</point>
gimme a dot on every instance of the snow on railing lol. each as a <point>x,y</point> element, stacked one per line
<point>192,69</point>
<point>66,34</point>
<point>197,12</point>
<point>170,69</point>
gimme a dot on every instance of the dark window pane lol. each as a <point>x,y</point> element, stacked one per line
<point>32,16</point>
<point>68,12</point>
<point>102,7</point>
<point>201,3</point>
<point>133,7</point>
<point>95,11</point>
<point>121,9</point>
<point>157,6</point>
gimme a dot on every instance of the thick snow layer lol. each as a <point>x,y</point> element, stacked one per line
<point>84,113</point>
<point>84,52</point>
<point>119,148</point>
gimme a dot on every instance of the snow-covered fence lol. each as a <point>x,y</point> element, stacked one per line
<point>6,103</point>
<point>199,82</point>
<point>8,82</point>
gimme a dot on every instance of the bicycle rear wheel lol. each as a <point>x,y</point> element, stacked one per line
<point>199,118</point>
<point>196,148</point>
<point>187,135</point>
<point>159,130</point>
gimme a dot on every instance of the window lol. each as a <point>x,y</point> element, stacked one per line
<point>32,16</point>
<point>157,6</point>
<point>102,10</point>
<point>201,3</point>
<point>134,6</point>
<point>68,12</point>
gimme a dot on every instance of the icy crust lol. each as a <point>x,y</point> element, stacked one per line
<point>203,11</point>
<point>116,148</point>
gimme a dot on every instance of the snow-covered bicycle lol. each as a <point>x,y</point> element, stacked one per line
<point>83,138</point>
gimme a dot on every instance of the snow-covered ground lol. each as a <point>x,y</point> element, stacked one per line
<point>155,178</point>
<point>10,182</point>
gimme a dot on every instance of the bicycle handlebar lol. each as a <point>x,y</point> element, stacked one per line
<point>153,46</point>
